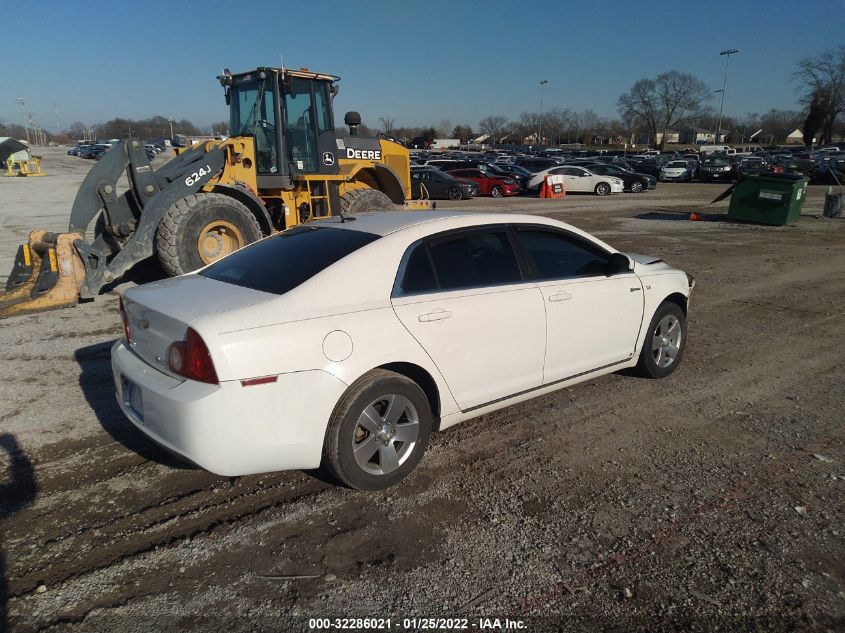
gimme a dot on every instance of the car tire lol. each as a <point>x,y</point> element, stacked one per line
<point>455,193</point>
<point>665,341</point>
<point>602,189</point>
<point>496,191</point>
<point>228,223</point>
<point>364,200</point>
<point>360,450</point>
<point>636,187</point>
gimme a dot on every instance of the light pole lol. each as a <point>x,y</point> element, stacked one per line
<point>540,131</point>
<point>727,53</point>
<point>713,119</point>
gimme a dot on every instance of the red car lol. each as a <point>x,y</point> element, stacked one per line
<point>489,185</point>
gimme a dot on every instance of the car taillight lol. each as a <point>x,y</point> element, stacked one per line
<point>190,358</point>
<point>127,331</point>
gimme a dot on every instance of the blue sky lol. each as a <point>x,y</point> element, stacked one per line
<point>418,62</point>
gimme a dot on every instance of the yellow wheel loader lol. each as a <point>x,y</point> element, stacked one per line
<point>282,165</point>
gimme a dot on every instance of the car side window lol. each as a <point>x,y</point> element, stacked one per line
<point>471,260</point>
<point>555,255</point>
<point>419,276</point>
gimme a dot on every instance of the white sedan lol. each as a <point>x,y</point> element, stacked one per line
<point>346,343</point>
<point>579,180</point>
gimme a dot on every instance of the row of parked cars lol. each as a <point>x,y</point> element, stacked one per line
<point>516,171</point>
<point>95,151</point>
<point>457,177</point>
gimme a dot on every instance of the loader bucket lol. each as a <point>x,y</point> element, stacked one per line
<point>46,275</point>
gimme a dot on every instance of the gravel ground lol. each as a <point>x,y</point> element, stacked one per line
<point>711,500</point>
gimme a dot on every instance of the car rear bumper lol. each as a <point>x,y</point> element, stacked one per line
<point>230,429</point>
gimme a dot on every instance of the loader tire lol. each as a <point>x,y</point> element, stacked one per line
<point>363,200</point>
<point>200,229</point>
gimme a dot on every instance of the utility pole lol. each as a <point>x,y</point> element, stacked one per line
<point>22,101</point>
<point>540,131</point>
<point>170,120</point>
<point>727,53</point>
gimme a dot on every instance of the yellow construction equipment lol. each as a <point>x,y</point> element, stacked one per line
<point>15,159</point>
<point>282,165</point>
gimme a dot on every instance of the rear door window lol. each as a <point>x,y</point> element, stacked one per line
<point>283,262</point>
<point>473,259</point>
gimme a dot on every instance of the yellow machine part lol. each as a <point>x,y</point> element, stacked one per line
<point>58,269</point>
<point>31,167</point>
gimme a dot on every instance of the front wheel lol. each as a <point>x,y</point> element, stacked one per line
<point>602,189</point>
<point>378,431</point>
<point>202,228</point>
<point>636,186</point>
<point>496,191</point>
<point>455,193</point>
<point>664,343</point>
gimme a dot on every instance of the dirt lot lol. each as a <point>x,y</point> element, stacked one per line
<point>711,500</point>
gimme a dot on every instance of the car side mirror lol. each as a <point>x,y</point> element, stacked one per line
<point>618,263</point>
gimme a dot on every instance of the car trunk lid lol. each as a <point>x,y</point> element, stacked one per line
<point>160,313</point>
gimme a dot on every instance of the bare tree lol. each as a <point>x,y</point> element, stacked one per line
<point>555,122</point>
<point>493,126</point>
<point>823,78</point>
<point>462,132</point>
<point>527,126</point>
<point>665,102</point>
<point>387,124</point>
<point>443,128</point>
<point>781,123</point>
<point>583,122</point>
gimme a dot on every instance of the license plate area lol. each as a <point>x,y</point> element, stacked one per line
<point>132,399</point>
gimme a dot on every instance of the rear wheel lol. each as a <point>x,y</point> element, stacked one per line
<point>363,200</point>
<point>496,191</point>
<point>602,189</point>
<point>378,431</point>
<point>202,228</point>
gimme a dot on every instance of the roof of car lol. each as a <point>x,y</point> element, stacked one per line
<point>383,223</point>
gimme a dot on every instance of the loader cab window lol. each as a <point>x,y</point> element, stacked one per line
<point>300,130</point>
<point>254,114</point>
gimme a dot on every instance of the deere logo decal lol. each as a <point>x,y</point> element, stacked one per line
<point>363,154</point>
<point>328,158</point>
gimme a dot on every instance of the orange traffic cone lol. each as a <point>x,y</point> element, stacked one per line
<point>694,217</point>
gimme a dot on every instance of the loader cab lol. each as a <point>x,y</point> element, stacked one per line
<point>289,116</point>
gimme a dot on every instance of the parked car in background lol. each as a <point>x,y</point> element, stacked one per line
<point>579,180</point>
<point>632,181</point>
<point>676,170</point>
<point>715,168</point>
<point>247,365</point>
<point>518,173</point>
<point>789,164</point>
<point>93,151</point>
<point>440,185</point>
<point>489,184</point>
<point>650,166</point>
<point>750,165</point>
<point>535,164</point>
<point>694,161</point>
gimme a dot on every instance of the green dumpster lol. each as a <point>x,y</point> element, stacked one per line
<point>768,198</point>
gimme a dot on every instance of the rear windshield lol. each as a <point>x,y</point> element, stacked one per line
<point>284,261</point>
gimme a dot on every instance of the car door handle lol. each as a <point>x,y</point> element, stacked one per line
<point>560,296</point>
<point>434,315</point>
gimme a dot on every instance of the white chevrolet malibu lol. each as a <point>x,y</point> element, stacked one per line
<point>346,343</point>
